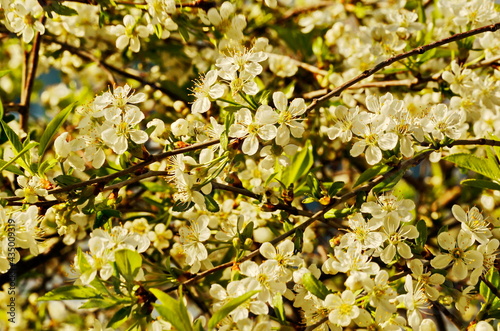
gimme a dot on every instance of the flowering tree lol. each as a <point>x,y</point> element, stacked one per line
<point>249,165</point>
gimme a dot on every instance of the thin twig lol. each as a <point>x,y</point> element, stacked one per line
<point>485,63</point>
<point>451,317</point>
<point>481,141</point>
<point>311,68</point>
<point>301,10</point>
<point>419,50</point>
<point>109,67</point>
<point>314,326</point>
<point>250,194</point>
<point>380,84</point>
<point>132,169</point>
<point>191,4</point>
<point>136,179</point>
<point>29,73</point>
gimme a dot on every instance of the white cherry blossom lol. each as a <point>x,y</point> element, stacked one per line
<point>32,187</point>
<point>205,90</point>
<point>473,223</point>
<point>374,139</point>
<point>234,290</point>
<point>459,255</point>
<point>192,238</point>
<point>395,233</point>
<point>252,128</point>
<point>289,118</point>
<point>343,119</point>
<point>343,308</point>
<point>117,136</point>
<point>363,232</point>
<point>443,122</point>
<point>429,281</point>
<point>415,301</point>
<point>129,34</point>
<point>283,253</point>
<point>267,275</point>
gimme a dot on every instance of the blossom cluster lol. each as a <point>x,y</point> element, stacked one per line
<point>388,125</point>
<point>217,165</point>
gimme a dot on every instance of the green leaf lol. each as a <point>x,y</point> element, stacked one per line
<point>184,33</point>
<point>335,188</point>
<point>1,103</point>
<point>4,72</point>
<point>60,9</point>
<point>338,213</point>
<point>368,174</point>
<point>46,165</point>
<point>72,292</point>
<point>12,136</point>
<point>98,303</point>
<point>389,182</point>
<point>313,184</point>
<point>296,40</point>
<point>120,317</point>
<point>83,264</point>
<point>98,285</point>
<point>173,311</point>
<point>66,180</point>
<point>422,235</point>
<point>422,58</point>
<point>228,308</point>
<point>128,263</point>
<point>182,206</point>
<point>19,155</point>
<point>300,165</point>
<point>104,215</point>
<point>247,231</point>
<point>279,309</point>
<point>485,166</point>
<point>481,183</point>
<point>211,204</point>
<point>298,241</point>
<point>87,193</point>
<point>494,277</point>
<point>313,285</point>
<point>52,128</point>
<point>10,167</point>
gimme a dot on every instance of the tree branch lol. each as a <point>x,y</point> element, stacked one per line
<point>380,84</point>
<point>132,169</point>
<point>451,317</point>
<point>419,50</point>
<point>250,194</point>
<point>314,326</point>
<point>29,73</point>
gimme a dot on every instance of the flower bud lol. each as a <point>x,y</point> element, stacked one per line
<point>248,243</point>
<point>180,127</point>
<point>236,243</point>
